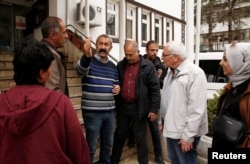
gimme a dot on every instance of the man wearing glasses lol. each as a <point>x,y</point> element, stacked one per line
<point>183,104</point>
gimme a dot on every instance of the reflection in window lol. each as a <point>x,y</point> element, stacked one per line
<point>129,29</point>
<point>157,34</point>
<point>168,38</point>
<point>112,22</point>
<point>130,24</point>
<point>158,30</point>
<point>111,6</point>
<point>168,31</point>
<point>213,71</point>
<point>5,28</point>
<point>144,31</point>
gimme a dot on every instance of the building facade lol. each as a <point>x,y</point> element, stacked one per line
<point>140,20</point>
<point>223,22</point>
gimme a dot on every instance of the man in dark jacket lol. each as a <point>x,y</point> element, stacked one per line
<point>152,48</point>
<point>139,99</point>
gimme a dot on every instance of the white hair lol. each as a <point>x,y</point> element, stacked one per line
<point>178,48</point>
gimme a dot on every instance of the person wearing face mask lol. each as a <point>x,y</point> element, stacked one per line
<point>235,99</point>
<point>100,85</point>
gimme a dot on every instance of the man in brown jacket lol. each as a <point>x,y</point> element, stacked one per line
<point>54,36</point>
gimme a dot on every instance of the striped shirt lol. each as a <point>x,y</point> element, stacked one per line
<point>98,80</point>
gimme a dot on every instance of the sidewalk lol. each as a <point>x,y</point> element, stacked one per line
<point>133,160</point>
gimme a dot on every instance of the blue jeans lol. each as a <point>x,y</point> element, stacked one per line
<point>99,125</point>
<point>177,156</point>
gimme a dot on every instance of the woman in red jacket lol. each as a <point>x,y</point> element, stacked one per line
<point>38,125</point>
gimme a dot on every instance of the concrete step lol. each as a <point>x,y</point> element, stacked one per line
<point>75,94</point>
<point>6,57</point>
<point>74,80</point>
<point>70,65</point>
<point>77,107</point>
<point>126,153</point>
<point>6,65</point>
<point>6,83</point>
<point>72,73</point>
<point>133,159</point>
<point>75,91</point>
<point>75,100</point>
<point>6,73</point>
<point>79,113</point>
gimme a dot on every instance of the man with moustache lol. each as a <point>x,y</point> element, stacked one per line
<point>99,87</point>
<point>138,101</point>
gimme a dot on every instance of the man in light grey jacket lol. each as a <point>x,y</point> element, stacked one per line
<point>183,104</point>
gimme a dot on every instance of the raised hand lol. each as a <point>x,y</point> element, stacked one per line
<point>87,47</point>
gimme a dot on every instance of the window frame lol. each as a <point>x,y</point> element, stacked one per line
<point>131,17</point>
<point>114,12</point>
<point>147,24</point>
<point>160,29</point>
<point>168,30</point>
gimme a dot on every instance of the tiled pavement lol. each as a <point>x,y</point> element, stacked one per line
<point>133,160</point>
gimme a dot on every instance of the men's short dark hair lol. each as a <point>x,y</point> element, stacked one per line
<point>50,24</point>
<point>151,42</point>
<point>30,57</point>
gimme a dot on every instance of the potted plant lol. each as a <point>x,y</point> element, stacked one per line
<point>206,140</point>
<point>211,111</point>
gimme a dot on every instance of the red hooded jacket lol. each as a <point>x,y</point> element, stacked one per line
<point>40,126</point>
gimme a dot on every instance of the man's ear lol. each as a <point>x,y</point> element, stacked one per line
<point>42,76</point>
<point>52,34</point>
<point>42,73</point>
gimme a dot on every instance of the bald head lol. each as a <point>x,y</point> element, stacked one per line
<point>131,44</point>
<point>131,51</point>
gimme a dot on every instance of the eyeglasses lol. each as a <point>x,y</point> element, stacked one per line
<point>165,55</point>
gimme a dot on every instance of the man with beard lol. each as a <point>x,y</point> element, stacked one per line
<point>99,87</point>
<point>152,48</point>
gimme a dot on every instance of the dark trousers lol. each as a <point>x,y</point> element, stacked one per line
<point>155,134</point>
<point>127,116</point>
